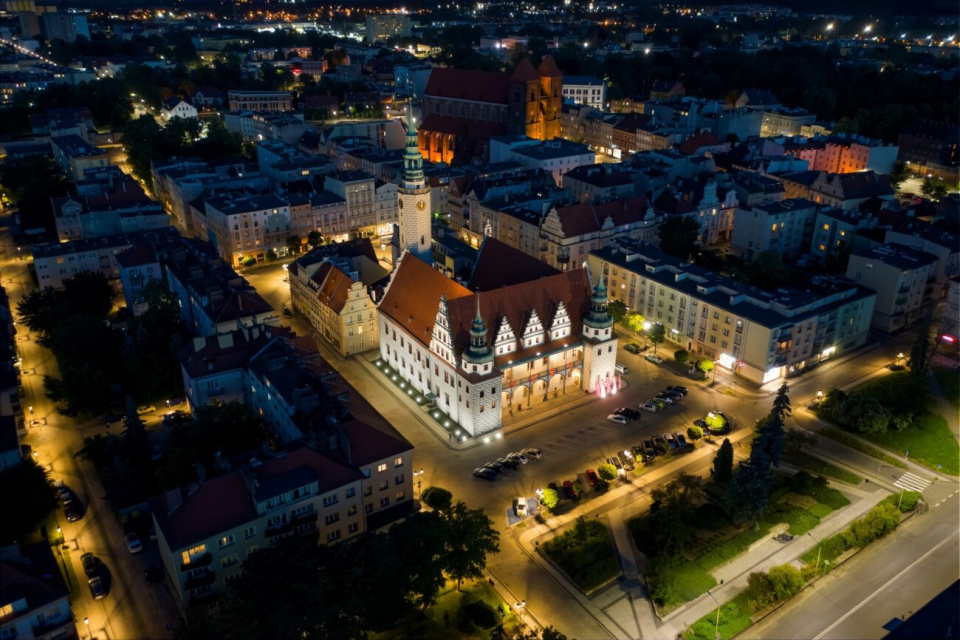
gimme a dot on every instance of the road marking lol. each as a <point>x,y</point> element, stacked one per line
<point>885,585</point>
<point>912,482</point>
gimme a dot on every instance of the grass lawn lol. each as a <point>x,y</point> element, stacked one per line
<point>691,581</point>
<point>853,443</point>
<point>732,547</point>
<point>949,380</point>
<point>821,467</point>
<point>931,444</point>
<point>585,553</point>
<point>734,618</point>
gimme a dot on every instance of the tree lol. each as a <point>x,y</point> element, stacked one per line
<point>471,537</point>
<point>314,238</point>
<point>41,310</point>
<point>617,310</point>
<point>88,293</point>
<point>865,414</point>
<point>634,321</point>
<point>607,471</point>
<point>770,429</point>
<point>681,355</point>
<point>154,338</point>
<point>694,432</point>
<point>30,183</point>
<point>549,498</point>
<point>293,244</point>
<point>723,463</point>
<point>705,366</point>
<point>933,188</point>
<point>922,351</point>
<point>899,174</point>
<point>781,403</point>
<point>678,236</point>
<point>767,271</point>
<point>749,492</point>
<point>831,407</point>
<point>656,335</point>
<point>796,439</point>
<point>437,498</point>
<point>28,499</point>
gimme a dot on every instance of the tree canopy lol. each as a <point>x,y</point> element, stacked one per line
<point>678,236</point>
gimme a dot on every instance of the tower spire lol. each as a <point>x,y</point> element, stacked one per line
<point>412,160</point>
<point>478,351</point>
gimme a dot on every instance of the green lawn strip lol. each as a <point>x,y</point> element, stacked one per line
<point>862,447</point>
<point>931,443</point>
<point>691,581</point>
<point>69,575</point>
<point>432,626</point>
<point>734,618</point>
<point>585,553</point>
<point>732,547</point>
<point>949,380</point>
<point>822,467</point>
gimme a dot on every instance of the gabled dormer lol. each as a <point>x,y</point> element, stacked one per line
<point>560,327</point>
<point>441,342</point>
<point>533,334</point>
<point>506,340</point>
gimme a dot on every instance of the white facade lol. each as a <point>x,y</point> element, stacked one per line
<point>413,203</point>
<point>585,90</point>
<point>182,109</point>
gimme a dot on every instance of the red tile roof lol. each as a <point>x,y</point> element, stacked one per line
<point>548,68</point>
<point>333,286</point>
<point>500,265</point>
<point>216,506</point>
<point>413,296</point>
<point>703,139</point>
<point>524,72</point>
<point>330,473</point>
<point>515,303</point>
<point>468,84</point>
<point>579,219</point>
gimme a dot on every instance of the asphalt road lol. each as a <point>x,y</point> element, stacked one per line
<point>132,610</point>
<point>891,579</point>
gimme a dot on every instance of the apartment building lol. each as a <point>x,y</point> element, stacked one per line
<point>56,263</point>
<point>784,227</point>
<point>259,100</point>
<point>586,90</point>
<point>34,599</point>
<point>120,208</point>
<point>384,26</point>
<point>358,189</point>
<point>843,190</point>
<point>844,154</point>
<point>254,126</point>
<point>761,337</point>
<point>75,155</point>
<point>712,206</point>
<point>601,182</point>
<point>834,231</point>
<point>901,276</point>
<point>139,266</point>
<point>248,226</point>
<point>783,121</point>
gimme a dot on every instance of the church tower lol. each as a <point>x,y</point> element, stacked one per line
<point>599,345</point>
<point>413,201</point>
<point>551,98</point>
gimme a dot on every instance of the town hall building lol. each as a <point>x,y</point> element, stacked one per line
<point>509,347</point>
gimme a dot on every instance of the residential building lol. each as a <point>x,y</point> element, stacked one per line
<point>834,231</point>
<point>463,109</point>
<point>784,227</point>
<point>949,330</point>
<point>33,596</point>
<point>703,200</point>
<point>382,27</point>
<point>329,215</point>
<point>842,190</point>
<point>601,182</point>
<point>586,90</point>
<point>927,146</point>
<point>410,79</point>
<point>942,243</point>
<point>64,26</point>
<point>358,189</point>
<point>754,188</point>
<point>254,126</point>
<point>114,205</point>
<point>760,337</point>
<point>282,162</point>
<point>844,153</point>
<point>56,263</point>
<point>783,121</point>
<point>546,336</point>
<point>666,90</point>
<point>556,157</point>
<point>247,227</point>
<point>759,99</point>
<point>176,107</point>
<point>139,266</point>
<point>75,155</point>
<point>900,275</point>
<point>207,96</point>
<point>259,100</point>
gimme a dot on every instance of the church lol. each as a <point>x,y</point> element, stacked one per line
<point>464,108</point>
<point>512,340</point>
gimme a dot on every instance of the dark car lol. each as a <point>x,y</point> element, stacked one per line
<point>486,474</point>
<point>568,489</point>
<point>670,393</point>
<point>509,463</point>
<point>670,441</point>
<point>287,313</point>
<point>681,441</point>
<point>681,390</point>
<point>633,347</point>
<point>627,412</point>
<point>91,564</point>
<point>64,494</point>
<point>639,453</point>
<point>496,467</point>
<point>615,461</point>
<point>113,418</point>
<point>648,448</point>
<point>97,588</point>
<point>176,401</point>
<point>659,444</point>
<point>73,511</point>
<point>592,477</point>
<point>174,416</point>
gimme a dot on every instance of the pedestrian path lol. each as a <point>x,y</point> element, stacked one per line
<point>911,482</point>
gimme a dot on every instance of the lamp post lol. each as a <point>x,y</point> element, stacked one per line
<point>716,627</point>
<point>899,358</point>
<point>86,621</point>
<point>819,548</point>
<point>417,475</point>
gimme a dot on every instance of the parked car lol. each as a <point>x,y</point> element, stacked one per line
<point>64,494</point>
<point>176,401</point>
<point>519,456</point>
<point>133,543</point>
<point>153,574</point>
<point>665,399</point>
<point>616,418</point>
<point>145,408</point>
<point>112,418</point>
<point>287,313</point>
<point>639,453</point>
<point>627,460</point>
<point>592,477</point>
<point>648,448</point>
<point>659,444</point>
<point>681,390</point>
<point>520,507</point>
<point>496,467</point>
<point>661,405</point>
<point>97,590</point>
<point>532,452</point>
<point>73,511</point>
<point>649,407</point>
<point>671,442</point>
<point>633,347</point>
<point>628,413</point>
<point>615,461</point>
<point>619,368</point>
<point>568,489</point>
<point>91,564</point>
<point>485,473</point>
<point>509,463</point>
<point>654,358</point>
<point>681,441</point>
<point>676,396</point>
<point>173,416</point>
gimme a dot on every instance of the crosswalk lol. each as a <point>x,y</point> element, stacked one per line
<point>911,482</point>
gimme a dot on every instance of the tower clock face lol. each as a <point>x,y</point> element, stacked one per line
<point>421,205</point>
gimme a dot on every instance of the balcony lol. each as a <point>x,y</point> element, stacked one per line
<point>197,562</point>
<point>206,578</point>
<point>303,518</point>
<point>278,529</point>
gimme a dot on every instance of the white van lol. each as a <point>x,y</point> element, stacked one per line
<point>622,370</point>
<point>521,507</point>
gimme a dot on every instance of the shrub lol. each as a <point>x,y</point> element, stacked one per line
<point>865,414</point>
<point>549,499</point>
<point>474,614</point>
<point>607,471</point>
<point>596,574</point>
<point>759,591</point>
<point>681,355</point>
<point>907,500</point>
<point>437,498</point>
<point>602,486</point>
<point>785,580</point>
<point>695,432</point>
<point>249,261</point>
<point>271,255</point>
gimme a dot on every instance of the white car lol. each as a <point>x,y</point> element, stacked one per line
<point>146,408</point>
<point>616,418</point>
<point>533,453</point>
<point>654,358</point>
<point>649,407</point>
<point>622,370</point>
<point>521,507</point>
<point>133,543</point>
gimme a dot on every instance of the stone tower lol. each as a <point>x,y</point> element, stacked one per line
<point>413,201</point>
<point>550,106</point>
<point>523,96</point>
<point>599,345</point>
<point>482,383</point>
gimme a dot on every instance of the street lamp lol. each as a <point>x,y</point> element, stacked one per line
<point>716,627</point>
<point>899,357</point>
<point>417,474</point>
<point>819,548</point>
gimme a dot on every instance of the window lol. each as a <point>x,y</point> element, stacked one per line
<point>249,532</point>
<point>333,535</point>
<point>229,560</point>
<point>301,492</point>
<point>352,528</point>
<point>190,555</point>
<point>330,500</point>
<point>352,511</point>
<point>333,517</point>
<point>384,484</point>
<point>349,493</point>
<point>368,508</point>
<point>398,463</point>
<point>367,491</point>
<point>226,541</point>
<point>381,468</point>
<point>384,502</point>
<point>400,495</point>
<point>398,480</point>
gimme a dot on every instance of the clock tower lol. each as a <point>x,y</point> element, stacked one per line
<point>413,201</point>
